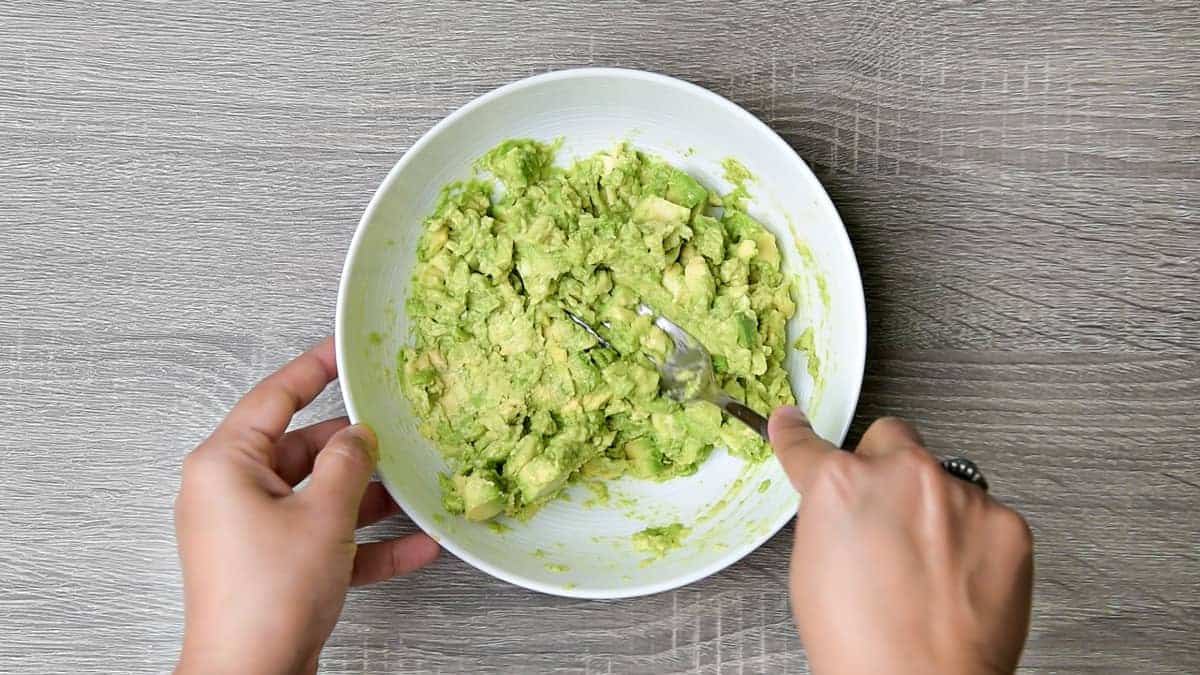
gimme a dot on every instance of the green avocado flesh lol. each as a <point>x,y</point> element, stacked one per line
<point>658,541</point>
<point>521,400</point>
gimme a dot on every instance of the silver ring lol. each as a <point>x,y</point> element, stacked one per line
<point>964,469</point>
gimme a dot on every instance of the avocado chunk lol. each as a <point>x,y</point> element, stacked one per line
<point>540,477</point>
<point>644,459</point>
<point>746,329</point>
<point>658,210</point>
<point>658,541</point>
<point>481,496</point>
<point>685,190</point>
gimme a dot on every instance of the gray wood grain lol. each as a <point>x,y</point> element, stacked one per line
<point>179,181</point>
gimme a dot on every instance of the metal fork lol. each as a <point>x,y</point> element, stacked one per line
<point>686,374</point>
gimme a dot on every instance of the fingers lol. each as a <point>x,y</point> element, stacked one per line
<point>376,505</point>
<point>341,473</point>
<point>386,559</point>
<point>888,434</point>
<point>264,413</point>
<point>295,452</point>
<point>797,446</point>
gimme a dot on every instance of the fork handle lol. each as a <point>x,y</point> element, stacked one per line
<point>742,412</point>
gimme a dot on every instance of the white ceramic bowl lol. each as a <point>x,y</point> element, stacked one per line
<point>575,547</point>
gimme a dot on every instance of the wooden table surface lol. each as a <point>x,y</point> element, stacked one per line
<point>179,183</point>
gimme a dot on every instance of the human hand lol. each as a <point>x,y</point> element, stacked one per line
<point>899,567</point>
<point>266,567</point>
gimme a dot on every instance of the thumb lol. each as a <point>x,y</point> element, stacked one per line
<point>342,470</point>
<point>797,446</point>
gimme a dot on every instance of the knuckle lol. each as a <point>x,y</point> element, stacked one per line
<point>196,464</point>
<point>191,488</point>
<point>892,427</point>
<point>838,474</point>
<point>916,456</point>
<point>395,561</point>
<point>1012,526</point>
<point>348,450</point>
<point>889,422</point>
<point>920,465</point>
<point>940,497</point>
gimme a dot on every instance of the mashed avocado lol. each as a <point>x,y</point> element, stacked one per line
<point>658,541</point>
<point>520,399</point>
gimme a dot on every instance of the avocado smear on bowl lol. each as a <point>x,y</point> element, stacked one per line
<point>521,400</point>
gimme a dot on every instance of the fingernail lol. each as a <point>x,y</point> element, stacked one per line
<point>365,438</point>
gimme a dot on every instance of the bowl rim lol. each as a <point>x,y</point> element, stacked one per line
<point>856,352</point>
